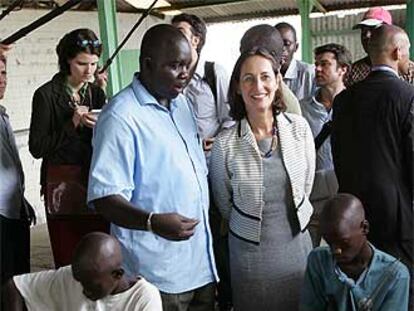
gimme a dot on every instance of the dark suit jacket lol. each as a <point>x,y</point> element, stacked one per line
<point>52,134</point>
<point>372,146</point>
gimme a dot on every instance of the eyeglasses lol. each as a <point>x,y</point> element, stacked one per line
<point>84,43</point>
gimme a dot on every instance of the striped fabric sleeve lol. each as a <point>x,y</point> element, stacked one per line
<point>220,180</point>
<point>310,158</point>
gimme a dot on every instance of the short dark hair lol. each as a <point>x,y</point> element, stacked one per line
<point>156,40</point>
<point>198,27</point>
<point>263,36</point>
<point>75,42</point>
<point>283,25</point>
<point>342,54</point>
<point>237,105</point>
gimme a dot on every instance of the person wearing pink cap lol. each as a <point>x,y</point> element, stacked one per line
<point>372,19</point>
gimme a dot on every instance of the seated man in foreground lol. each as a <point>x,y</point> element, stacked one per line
<point>94,281</point>
<point>351,274</point>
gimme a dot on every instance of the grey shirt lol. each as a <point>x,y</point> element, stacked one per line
<point>211,117</point>
<point>11,172</point>
<point>300,78</point>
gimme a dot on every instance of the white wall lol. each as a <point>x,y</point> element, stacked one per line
<point>33,61</point>
<point>223,39</point>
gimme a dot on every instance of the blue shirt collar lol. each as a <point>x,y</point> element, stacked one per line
<point>144,97</point>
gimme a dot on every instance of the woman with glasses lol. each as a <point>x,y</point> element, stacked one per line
<point>261,174</point>
<point>62,122</point>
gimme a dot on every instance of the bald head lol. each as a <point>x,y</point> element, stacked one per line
<point>389,45</point>
<point>263,36</point>
<point>97,252</point>
<point>159,39</point>
<point>342,209</point>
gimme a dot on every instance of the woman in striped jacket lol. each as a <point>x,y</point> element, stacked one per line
<point>261,172</point>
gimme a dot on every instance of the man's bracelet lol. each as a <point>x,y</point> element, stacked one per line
<point>149,224</point>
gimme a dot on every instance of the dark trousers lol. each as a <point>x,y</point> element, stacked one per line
<point>15,247</point>
<point>221,255</point>
<point>200,299</point>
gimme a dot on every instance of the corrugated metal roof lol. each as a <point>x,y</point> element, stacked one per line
<point>220,10</point>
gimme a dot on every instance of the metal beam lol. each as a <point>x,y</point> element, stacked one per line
<point>319,6</point>
<point>409,25</point>
<point>109,37</point>
<point>305,7</point>
<point>198,5</point>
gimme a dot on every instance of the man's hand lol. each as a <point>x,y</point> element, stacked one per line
<point>208,143</point>
<point>173,226</point>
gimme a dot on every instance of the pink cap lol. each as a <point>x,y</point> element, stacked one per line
<point>375,17</point>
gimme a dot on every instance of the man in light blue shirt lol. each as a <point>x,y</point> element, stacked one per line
<point>351,274</point>
<point>297,75</point>
<point>149,177</point>
<point>332,64</point>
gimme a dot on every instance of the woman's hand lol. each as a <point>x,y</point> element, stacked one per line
<point>77,115</point>
<point>88,119</point>
<point>101,79</point>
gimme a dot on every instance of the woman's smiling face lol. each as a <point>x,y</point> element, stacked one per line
<point>258,84</point>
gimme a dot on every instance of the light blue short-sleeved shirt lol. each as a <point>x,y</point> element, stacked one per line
<point>153,157</point>
<point>316,114</point>
<point>300,78</point>
<point>385,283</point>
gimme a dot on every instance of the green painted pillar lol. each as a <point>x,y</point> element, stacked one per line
<point>109,36</point>
<point>305,7</point>
<point>409,25</point>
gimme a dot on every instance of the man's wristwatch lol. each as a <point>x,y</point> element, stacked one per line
<point>149,224</point>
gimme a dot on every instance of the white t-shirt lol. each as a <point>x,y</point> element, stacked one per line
<point>57,290</point>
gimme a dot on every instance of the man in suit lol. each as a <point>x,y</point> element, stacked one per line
<point>372,144</point>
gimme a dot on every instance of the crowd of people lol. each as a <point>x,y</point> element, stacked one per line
<point>288,186</point>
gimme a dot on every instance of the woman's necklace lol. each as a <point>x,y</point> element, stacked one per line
<point>77,98</point>
<point>273,144</point>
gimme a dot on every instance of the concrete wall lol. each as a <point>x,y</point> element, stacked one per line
<point>33,61</point>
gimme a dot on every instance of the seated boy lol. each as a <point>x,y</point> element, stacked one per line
<point>94,281</point>
<point>351,274</point>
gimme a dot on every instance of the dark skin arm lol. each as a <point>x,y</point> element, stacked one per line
<point>12,299</point>
<point>171,226</point>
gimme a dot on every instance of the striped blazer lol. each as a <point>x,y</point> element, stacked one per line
<point>236,172</point>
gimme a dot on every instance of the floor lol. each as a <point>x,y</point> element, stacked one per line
<point>41,253</point>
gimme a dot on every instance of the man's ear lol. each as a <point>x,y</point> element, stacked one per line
<point>296,47</point>
<point>118,273</point>
<point>344,69</point>
<point>147,63</point>
<point>396,54</point>
<point>365,227</point>
<point>195,41</point>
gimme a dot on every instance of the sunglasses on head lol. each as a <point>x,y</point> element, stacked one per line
<point>84,43</point>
